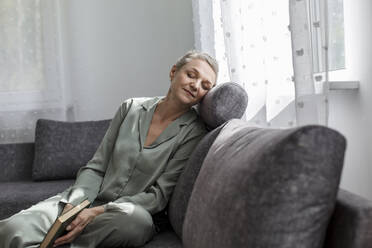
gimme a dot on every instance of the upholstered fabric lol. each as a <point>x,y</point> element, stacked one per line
<point>166,239</point>
<point>224,102</point>
<point>61,148</point>
<point>16,196</point>
<point>182,192</point>
<point>16,161</point>
<point>351,222</point>
<point>265,188</point>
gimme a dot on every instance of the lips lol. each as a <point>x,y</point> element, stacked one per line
<point>189,93</point>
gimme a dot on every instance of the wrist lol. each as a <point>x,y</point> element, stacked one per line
<point>98,210</point>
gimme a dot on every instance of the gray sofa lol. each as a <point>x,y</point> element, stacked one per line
<point>242,186</point>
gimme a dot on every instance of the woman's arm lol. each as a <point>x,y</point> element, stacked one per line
<point>90,177</point>
<point>156,197</point>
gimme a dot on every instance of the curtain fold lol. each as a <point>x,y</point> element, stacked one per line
<point>311,96</point>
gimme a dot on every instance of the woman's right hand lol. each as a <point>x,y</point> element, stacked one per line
<point>77,226</point>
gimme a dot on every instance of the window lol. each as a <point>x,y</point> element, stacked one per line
<point>21,62</point>
<point>327,24</point>
<point>29,55</point>
<point>31,82</point>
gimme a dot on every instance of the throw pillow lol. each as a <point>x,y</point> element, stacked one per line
<point>222,103</point>
<point>61,148</point>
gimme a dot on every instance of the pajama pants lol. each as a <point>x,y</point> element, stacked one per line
<point>110,229</point>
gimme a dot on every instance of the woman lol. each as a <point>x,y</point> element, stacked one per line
<point>133,172</point>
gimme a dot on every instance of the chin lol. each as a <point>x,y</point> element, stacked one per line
<point>185,99</point>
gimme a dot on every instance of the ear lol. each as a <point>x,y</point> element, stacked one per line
<point>172,72</point>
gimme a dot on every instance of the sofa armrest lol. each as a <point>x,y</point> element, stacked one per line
<point>16,161</point>
<point>351,223</point>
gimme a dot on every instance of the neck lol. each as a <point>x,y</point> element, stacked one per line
<point>168,109</point>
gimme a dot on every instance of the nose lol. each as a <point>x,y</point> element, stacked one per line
<point>195,84</point>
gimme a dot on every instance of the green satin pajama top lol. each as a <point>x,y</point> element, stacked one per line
<point>123,170</point>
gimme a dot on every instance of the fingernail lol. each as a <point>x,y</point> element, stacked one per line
<point>68,228</point>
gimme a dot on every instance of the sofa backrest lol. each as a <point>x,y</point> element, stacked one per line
<point>351,221</point>
<point>16,161</point>
<point>182,192</point>
<point>265,188</point>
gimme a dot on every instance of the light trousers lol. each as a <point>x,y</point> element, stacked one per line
<point>110,229</point>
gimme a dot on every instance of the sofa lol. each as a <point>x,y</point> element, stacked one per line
<point>243,186</point>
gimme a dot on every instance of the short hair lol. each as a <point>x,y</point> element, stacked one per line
<point>193,54</point>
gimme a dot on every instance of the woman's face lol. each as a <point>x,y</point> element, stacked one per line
<point>192,81</point>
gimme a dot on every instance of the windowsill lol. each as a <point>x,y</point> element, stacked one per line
<point>344,85</point>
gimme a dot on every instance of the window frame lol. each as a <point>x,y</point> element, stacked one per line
<point>319,29</point>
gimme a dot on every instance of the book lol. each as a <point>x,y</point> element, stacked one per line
<point>59,226</point>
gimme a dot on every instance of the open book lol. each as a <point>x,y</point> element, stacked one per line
<point>59,226</point>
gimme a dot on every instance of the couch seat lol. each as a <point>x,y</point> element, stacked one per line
<point>165,239</point>
<point>16,196</point>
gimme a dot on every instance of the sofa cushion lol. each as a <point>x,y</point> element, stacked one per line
<point>182,192</point>
<point>61,148</point>
<point>222,103</point>
<point>165,239</point>
<point>351,222</point>
<point>16,196</point>
<point>265,188</point>
<point>16,161</point>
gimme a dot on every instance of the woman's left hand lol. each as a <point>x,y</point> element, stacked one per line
<point>78,225</point>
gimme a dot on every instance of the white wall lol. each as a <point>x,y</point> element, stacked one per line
<point>351,111</point>
<point>119,49</point>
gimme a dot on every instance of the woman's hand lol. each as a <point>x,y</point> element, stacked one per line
<point>67,207</point>
<point>78,225</point>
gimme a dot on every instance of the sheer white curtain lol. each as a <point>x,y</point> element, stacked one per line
<point>253,43</point>
<point>311,89</point>
<point>31,82</point>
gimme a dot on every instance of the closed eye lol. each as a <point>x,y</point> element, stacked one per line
<point>191,75</point>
